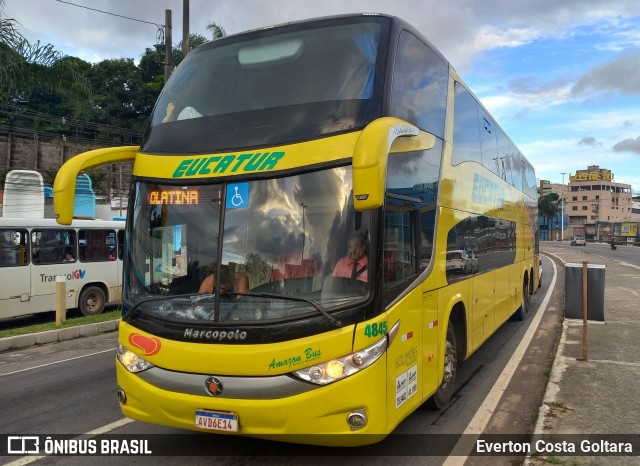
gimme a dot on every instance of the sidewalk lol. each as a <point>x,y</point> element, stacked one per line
<point>602,394</point>
<point>52,336</point>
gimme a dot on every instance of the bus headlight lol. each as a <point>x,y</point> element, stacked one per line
<point>336,369</point>
<point>131,361</point>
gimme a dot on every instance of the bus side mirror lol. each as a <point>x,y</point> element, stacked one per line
<point>64,186</point>
<point>378,139</point>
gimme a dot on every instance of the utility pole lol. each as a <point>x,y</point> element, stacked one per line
<point>562,214</point>
<point>596,210</point>
<point>167,45</point>
<point>185,28</point>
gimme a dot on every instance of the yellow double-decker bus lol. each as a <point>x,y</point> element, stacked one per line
<point>323,221</point>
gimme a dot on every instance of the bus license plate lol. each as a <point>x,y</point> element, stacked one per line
<point>214,420</point>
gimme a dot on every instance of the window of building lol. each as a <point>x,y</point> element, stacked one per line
<point>575,207</point>
<point>584,198</point>
<point>574,198</point>
<point>584,207</point>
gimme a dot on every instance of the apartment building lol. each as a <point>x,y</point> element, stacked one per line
<point>594,201</point>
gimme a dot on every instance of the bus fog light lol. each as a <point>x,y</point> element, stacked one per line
<point>357,359</point>
<point>315,373</point>
<point>122,397</point>
<point>357,419</point>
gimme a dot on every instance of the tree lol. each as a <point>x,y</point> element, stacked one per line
<point>195,40</point>
<point>549,207</point>
<point>122,98</point>
<point>217,31</point>
<point>28,69</point>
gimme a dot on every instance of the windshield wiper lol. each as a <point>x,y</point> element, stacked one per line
<point>313,302</point>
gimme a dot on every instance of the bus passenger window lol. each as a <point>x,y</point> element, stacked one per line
<point>399,253</point>
<point>419,92</point>
<point>97,245</point>
<point>466,135</point>
<point>48,246</point>
<point>13,248</point>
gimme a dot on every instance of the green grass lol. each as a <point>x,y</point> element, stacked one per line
<point>71,322</point>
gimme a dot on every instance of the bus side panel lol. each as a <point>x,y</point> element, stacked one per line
<point>16,287</point>
<point>483,307</point>
<point>448,297</point>
<point>405,358</point>
<point>505,296</point>
<point>106,275</point>
<point>43,285</point>
<point>430,342</point>
<point>77,275</point>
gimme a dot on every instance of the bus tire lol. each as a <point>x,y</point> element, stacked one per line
<point>523,310</point>
<point>443,394</point>
<point>92,301</point>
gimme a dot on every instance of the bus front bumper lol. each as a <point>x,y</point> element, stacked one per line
<point>317,416</point>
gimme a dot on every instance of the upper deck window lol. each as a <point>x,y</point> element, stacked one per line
<point>420,79</point>
<point>276,85</point>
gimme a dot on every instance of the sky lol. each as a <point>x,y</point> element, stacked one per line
<point>562,77</point>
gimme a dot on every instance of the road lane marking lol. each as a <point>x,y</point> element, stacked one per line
<point>488,407</point>
<point>94,433</point>
<point>57,362</point>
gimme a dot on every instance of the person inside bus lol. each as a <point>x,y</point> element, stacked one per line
<point>356,263</point>
<point>185,114</point>
<point>68,256</point>
<point>112,254</point>
<point>239,283</point>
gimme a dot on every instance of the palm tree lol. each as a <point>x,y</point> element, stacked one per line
<point>30,67</point>
<point>216,30</point>
<point>549,207</point>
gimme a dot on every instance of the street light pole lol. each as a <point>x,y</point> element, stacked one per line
<point>562,206</point>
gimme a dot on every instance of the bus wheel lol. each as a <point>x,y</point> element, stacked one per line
<point>523,310</point>
<point>445,391</point>
<point>92,301</point>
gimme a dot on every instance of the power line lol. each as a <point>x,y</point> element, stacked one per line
<point>112,14</point>
<point>70,123</point>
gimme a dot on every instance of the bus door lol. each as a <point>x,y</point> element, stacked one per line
<point>14,271</point>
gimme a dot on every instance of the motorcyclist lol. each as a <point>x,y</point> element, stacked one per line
<point>613,243</point>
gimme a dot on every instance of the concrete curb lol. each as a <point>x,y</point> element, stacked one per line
<point>62,334</point>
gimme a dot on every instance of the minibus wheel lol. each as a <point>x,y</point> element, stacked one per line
<point>92,301</point>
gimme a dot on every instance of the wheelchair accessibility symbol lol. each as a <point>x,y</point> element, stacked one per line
<point>237,196</point>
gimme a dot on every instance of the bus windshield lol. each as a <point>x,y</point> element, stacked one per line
<point>262,243</point>
<point>287,83</point>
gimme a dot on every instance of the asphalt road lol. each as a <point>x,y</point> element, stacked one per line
<point>629,254</point>
<point>70,388</point>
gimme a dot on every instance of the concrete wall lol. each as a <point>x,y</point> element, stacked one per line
<point>23,153</point>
